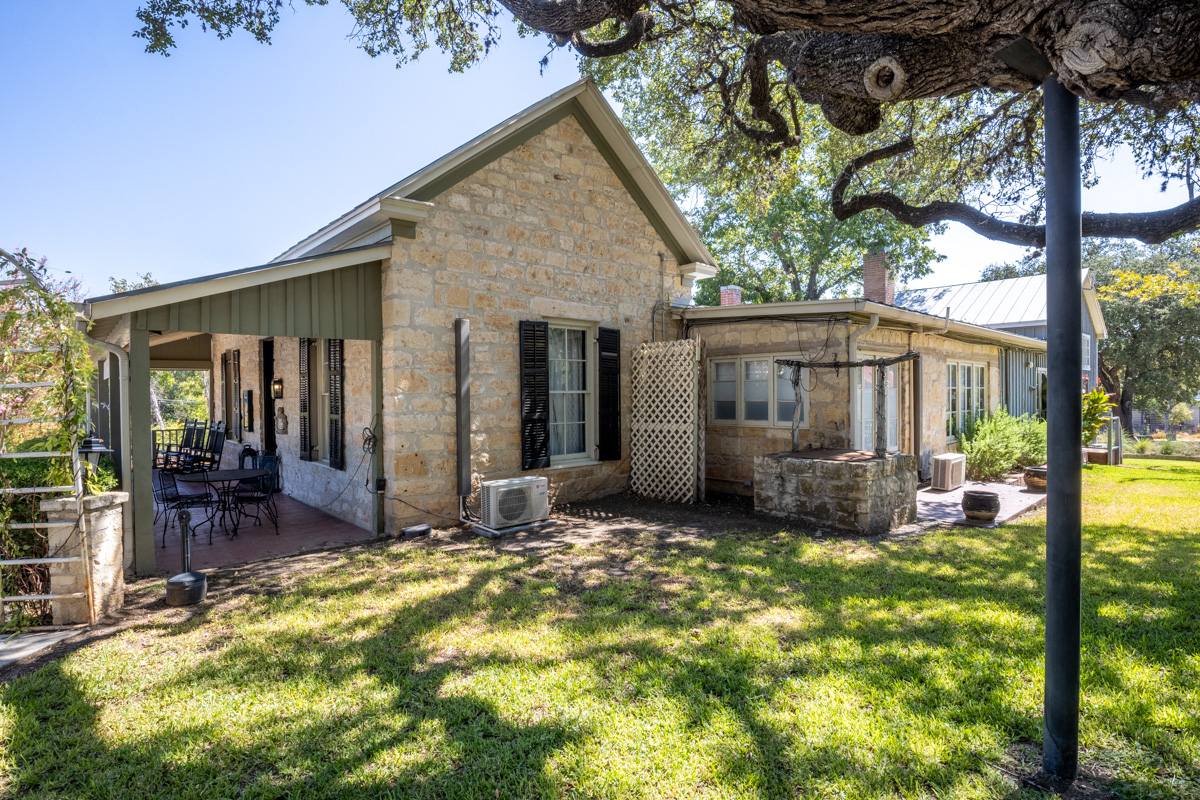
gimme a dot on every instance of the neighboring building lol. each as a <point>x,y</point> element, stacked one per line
<point>1016,305</point>
<point>750,399</point>
<point>551,233</point>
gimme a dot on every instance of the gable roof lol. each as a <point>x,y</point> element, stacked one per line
<point>581,100</point>
<point>1007,303</point>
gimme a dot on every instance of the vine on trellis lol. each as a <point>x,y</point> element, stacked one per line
<point>40,341</point>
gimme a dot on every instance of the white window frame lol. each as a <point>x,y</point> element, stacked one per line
<point>1087,351</point>
<point>773,420</point>
<point>965,405</point>
<point>856,412</point>
<point>591,375</point>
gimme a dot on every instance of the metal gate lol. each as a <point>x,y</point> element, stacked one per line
<point>75,489</point>
<point>667,423</point>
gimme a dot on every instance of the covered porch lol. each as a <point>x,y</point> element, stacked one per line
<point>302,529</point>
<point>248,328</point>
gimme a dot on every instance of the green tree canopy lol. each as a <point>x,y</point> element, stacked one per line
<point>1151,303</point>
<point>928,82</point>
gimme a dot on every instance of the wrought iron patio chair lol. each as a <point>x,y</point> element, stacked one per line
<point>167,493</point>
<point>259,492</point>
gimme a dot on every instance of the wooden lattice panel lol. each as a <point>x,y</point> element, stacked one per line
<point>666,447</point>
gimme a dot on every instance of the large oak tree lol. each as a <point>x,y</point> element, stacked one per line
<point>1136,62</point>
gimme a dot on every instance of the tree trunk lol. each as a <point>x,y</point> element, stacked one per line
<point>813,291</point>
<point>155,409</point>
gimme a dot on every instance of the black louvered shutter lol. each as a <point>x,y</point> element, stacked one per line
<point>535,395</point>
<point>237,395</point>
<point>305,433</point>
<point>337,451</point>
<point>608,398</point>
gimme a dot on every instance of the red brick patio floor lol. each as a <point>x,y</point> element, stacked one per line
<point>301,529</point>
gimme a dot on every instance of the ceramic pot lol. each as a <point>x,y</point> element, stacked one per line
<point>1035,479</point>
<point>980,506</point>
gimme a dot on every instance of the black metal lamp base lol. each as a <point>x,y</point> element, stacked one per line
<point>187,589</point>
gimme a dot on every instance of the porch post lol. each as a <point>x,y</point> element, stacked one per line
<point>377,425</point>
<point>140,451</point>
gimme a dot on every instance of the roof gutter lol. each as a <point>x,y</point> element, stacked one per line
<point>801,309</point>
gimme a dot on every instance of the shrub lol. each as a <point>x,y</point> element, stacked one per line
<point>1139,446</point>
<point>992,446</point>
<point>1031,441</point>
<point>1096,410</point>
<point>1167,448</point>
<point>1158,435</point>
<point>1180,414</point>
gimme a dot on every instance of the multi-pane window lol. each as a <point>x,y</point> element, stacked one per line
<point>966,396</point>
<point>755,391</point>
<point>1087,351</point>
<point>567,360</point>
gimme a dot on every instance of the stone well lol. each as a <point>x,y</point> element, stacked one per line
<point>847,489</point>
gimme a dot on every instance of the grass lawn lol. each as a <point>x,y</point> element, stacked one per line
<point>745,666</point>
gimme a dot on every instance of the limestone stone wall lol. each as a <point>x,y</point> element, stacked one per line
<point>546,232</point>
<point>871,496</point>
<point>103,515</point>
<point>733,448</point>
<point>342,493</point>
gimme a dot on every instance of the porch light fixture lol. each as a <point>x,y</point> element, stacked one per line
<point>92,448</point>
<point>277,389</point>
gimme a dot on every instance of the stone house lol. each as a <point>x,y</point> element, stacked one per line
<point>751,401</point>
<point>549,233</point>
<point>1018,305</point>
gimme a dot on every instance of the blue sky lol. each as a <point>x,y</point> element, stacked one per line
<point>116,162</point>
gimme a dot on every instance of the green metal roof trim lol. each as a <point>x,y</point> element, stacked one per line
<point>158,287</point>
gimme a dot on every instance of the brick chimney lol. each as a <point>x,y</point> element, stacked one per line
<point>878,284</point>
<point>731,295</point>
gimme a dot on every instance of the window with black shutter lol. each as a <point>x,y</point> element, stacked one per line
<point>336,360</point>
<point>535,395</point>
<point>608,399</point>
<point>305,432</point>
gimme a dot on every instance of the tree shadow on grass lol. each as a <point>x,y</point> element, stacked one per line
<point>789,669</point>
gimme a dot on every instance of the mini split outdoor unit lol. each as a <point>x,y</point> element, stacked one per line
<point>515,501</point>
<point>949,471</point>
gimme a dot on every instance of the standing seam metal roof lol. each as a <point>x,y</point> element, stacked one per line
<point>1012,301</point>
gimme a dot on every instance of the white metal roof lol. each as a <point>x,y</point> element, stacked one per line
<point>1008,303</point>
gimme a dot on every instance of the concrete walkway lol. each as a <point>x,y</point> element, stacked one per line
<point>14,648</point>
<point>946,507</point>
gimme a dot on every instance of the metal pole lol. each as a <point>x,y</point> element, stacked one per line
<point>1060,729</point>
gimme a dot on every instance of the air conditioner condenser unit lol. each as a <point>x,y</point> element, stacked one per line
<point>949,471</point>
<point>515,501</point>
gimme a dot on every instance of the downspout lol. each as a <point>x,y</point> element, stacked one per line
<point>852,341</point>
<point>918,406</point>
<point>126,466</point>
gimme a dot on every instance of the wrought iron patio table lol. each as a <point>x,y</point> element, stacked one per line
<point>225,481</point>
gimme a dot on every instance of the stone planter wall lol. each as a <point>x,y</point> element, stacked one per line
<point>870,496</point>
<point>103,518</point>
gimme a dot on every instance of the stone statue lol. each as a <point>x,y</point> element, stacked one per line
<point>280,421</point>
